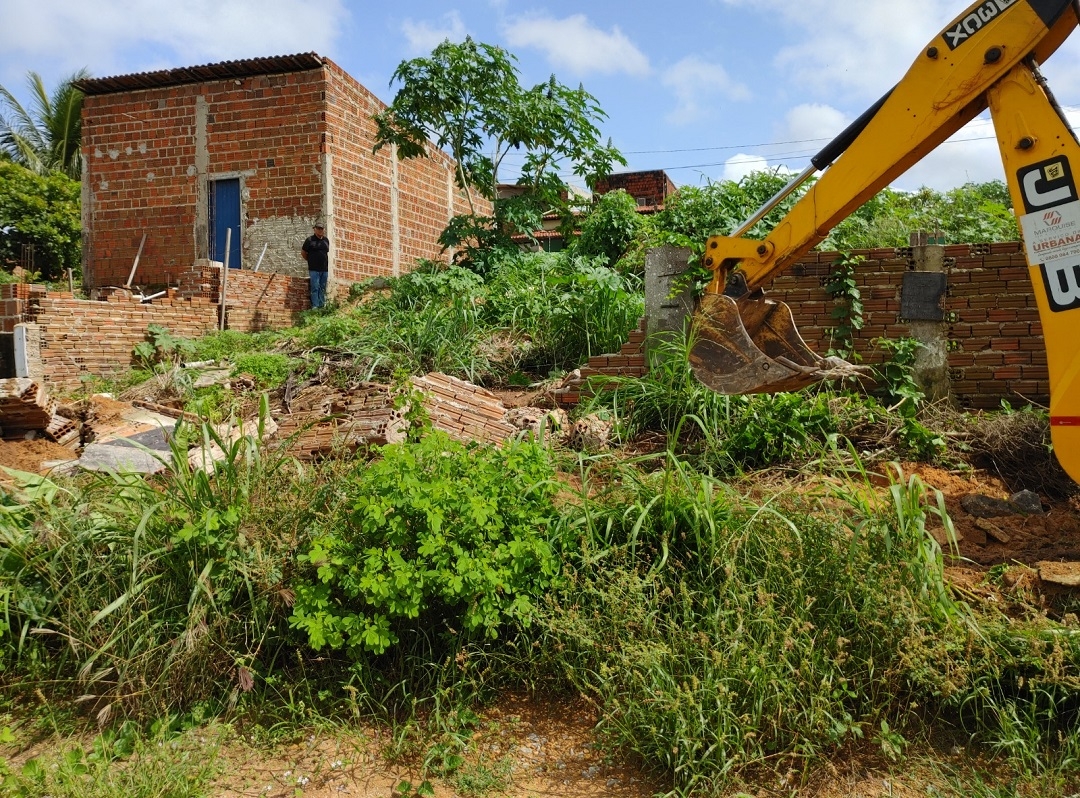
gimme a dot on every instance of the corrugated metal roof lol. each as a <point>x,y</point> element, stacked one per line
<point>223,70</point>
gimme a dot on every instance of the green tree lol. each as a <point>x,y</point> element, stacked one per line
<point>695,213</point>
<point>41,211</point>
<point>47,136</point>
<point>975,213</point>
<point>467,98</point>
<point>610,227</point>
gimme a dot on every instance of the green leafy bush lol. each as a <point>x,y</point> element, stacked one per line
<point>441,539</point>
<point>609,228</point>
<point>42,212</point>
<point>268,369</point>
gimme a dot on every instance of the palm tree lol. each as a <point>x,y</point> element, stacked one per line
<point>47,137</point>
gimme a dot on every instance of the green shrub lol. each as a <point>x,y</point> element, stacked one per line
<point>442,539</point>
<point>609,228</point>
<point>148,596</point>
<point>719,636</point>
<point>269,369</point>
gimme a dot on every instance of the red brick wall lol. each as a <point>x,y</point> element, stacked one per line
<point>995,338</point>
<point>364,186</point>
<point>79,337</point>
<point>653,186</point>
<point>255,301</point>
<point>147,163</point>
<point>879,279</point>
<point>995,341</point>
<point>143,170</point>
<point>260,301</point>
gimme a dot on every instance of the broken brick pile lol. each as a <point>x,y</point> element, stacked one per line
<point>26,408</point>
<point>629,361</point>
<point>464,411</point>
<point>334,421</point>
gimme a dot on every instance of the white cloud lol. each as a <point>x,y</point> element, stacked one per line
<point>58,36</point>
<point>813,123</point>
<point>860,48</point>
<point>739,166</point>
<point>424,36</point>
<point>697,85</point>
<point>577,45</point>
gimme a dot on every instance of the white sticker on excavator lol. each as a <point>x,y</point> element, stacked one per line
<point>1062,281</point>
<point>1052,234</point>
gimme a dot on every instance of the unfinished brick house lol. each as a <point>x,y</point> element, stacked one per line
<point>262,147</point>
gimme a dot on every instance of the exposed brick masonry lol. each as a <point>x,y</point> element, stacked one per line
<point>152,155</point>
<point>996,348</point>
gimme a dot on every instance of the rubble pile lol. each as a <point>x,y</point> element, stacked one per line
<point>310,422</point>
<point>464,411</point>
<point>26,407</point>
<point>323,421</point>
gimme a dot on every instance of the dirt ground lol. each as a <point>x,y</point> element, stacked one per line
<point>526,748</point>
<point>1014,537</point>
<point>523,747</point>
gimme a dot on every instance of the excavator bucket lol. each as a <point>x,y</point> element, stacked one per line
<point>752,346</point>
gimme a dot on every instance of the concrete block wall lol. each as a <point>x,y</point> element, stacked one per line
<point>149,153</point>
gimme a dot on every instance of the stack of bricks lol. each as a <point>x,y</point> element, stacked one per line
<point>629,361</point>
<point>13,299</point>
<point>26,407</point>
<point>464,411</point>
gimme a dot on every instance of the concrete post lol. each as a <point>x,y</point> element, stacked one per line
<point>932,359</point>
<point>666,313</point>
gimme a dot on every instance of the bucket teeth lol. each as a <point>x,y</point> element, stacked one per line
<point>752,346</point>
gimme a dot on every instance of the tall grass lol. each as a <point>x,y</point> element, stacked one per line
<point>720,636</point>
<point>143,596</point>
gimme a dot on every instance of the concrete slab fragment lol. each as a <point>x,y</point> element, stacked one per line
<point>108,457</point>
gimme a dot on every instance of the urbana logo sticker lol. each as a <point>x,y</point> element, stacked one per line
<point>968,26</point>
<point>1062,280</point>
<point>1047,184</point>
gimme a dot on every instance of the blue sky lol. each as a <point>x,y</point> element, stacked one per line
<point>704,90</point>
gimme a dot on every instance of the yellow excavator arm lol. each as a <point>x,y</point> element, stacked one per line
<point>987,57</point>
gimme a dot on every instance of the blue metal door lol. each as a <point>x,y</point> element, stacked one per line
<point>225,214</point>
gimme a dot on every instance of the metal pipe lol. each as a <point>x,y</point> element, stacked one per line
<point>225,276</point>
<point>775,200</point>
<point>135,265</point>
<point>259,263</point>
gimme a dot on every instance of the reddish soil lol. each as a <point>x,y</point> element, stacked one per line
<point>1009,538</point>
<point>29,455</point>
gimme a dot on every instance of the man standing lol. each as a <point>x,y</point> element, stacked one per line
<point>316,251</point>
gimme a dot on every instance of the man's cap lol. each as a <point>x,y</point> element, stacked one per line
<point>318,226</point>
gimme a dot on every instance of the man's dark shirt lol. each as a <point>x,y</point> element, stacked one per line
<point>318,250</point>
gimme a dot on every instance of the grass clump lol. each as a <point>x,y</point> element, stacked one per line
<point>719,636</point>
